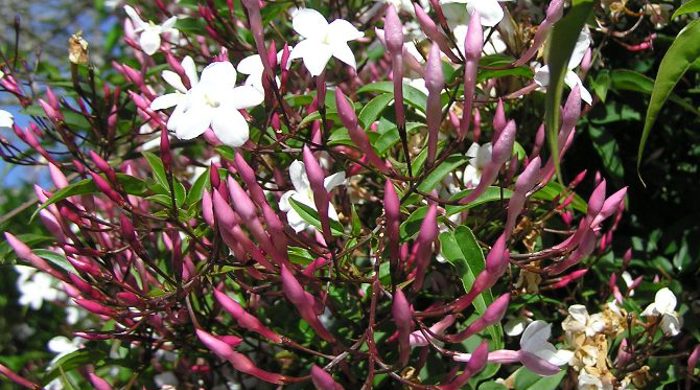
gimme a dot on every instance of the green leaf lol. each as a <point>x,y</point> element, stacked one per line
<point>411,95</point>
<point>461,249</point>
<point>371,111</point>
<point>629,80</point>
<point>435,177</point>
<point>691,6</point>
<point>682,53</point>
<point>311,217</point>
<point>563,39</point>
<point>72,361</point>
<point>131,185</point>
<point>608,150</point>
<point>157,167</point>
<point>195,193</point>
<point>528,380</point>
<point>554,189</point>
<point>492,194</point>
<point>501,67</point>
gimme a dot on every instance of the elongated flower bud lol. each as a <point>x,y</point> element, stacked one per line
<point>418,338</point>
<point>245,319</point>
<point>555,10</point>
<point>103,166</point>
<point>435,82</point>
<point>14,377</point>
<point>493,314</point>
<point>570,114</point>
<point>216,345</point>
<point>358,136</point>
<point>526,181</point>
<point>393,220</point>
<point>693,359</point>
<point>596,201</point>
<point>498,258</point>
<point>403,318</point>
<point>393,31</point>
<point>477,361</point>
<point>223,212</point>
<point>207,208</point>
<point>473,44</point>
<point>316,177</point>
<point>304,303</point>
<point>98,383</point>
<point>323,380</point>
<point>431,31</point>
<point>243,364</point>
<point>609,207</point>
<point>499,120</point>
<point>428,233</point>
<point>248,176</point>
<point>24,253</point>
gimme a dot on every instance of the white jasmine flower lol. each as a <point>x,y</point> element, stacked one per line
<point>534,341</point>
<point>150,32</point>
<point>587,381</point>
<point>480,156</point>
<point>627,278</point>
<point>571,79</point>
<point>303,194</point>
<point>35,287</point>
<point>322,40</point>
<point>664,305</point>
<point>579,321</point>
<point>490,11</point>
<point>213,101</point>
<point>253,67</point>
<point>6,119</point>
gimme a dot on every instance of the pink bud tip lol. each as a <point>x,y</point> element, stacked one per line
<point>323,380</point>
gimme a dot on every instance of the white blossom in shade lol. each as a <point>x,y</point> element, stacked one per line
<point>479,156</point>
<point>571,79</point>
<point>303,194</point>
<point>35,287</point>
<point>627,278</point>
<point>578,321</point>
<point>587,381</point>
<point>516,326</point>
<point>534,341</point>
<point>490,11</point>
<point>664,305</point>
<point>322,40</point>
<point>212,101</point>
<point>150,32</point>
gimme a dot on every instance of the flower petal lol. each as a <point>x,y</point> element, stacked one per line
<point>6,119</point>
<point>537,365</point>
<point>135,18</point>
<point>219,75</point>
<point>174,80</point>
<point>489,10</point>
<point>150,40</point>
<point>189,120</point>
<point>582,44</point>
<point>542,76</point>
<point>246,96</point>
<point>571,79</point>
<point>579,313</point>
<point>251,65</point>
<point>190,70</point>
<point>316,61</point>
<point>169,24</point>
<point>166,101</point>
<point>229,126</point>
<point>309,23</point>
<point>535,336</point>
<point>671,324</point>
<point>297,173</point>
<point>342,52</point>
<point>343,31</point>
<point>334,180</point>
<point>665,301</point>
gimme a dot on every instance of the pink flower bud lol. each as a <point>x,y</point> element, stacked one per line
<point>58,178</point>
<point>418,339</point>
<point>94,307</point>
<point>11,375</point>
<point>525,182</point>
<point>403,318</point>
<point>243,364</point>
<point>103,166</point>
<point>555,10</point>
<point>424,243</point>
<point>165,154</point>
<point>316,177</point>
<point>106,188</point>
<point>392,211</point>
<point>596,200</point>
<point>431,31</point>
<point>304,303</point>
<point>609,207</point>
<point>248,176</point>
<point>207,208</point>
<point>493,314</point>
<point>570,114</point>
<point>503,146</point>
<point>24,253</point>
<point>627,258</point>
<point>568,279</point>
<point>223,212</point>
<point>477,362</point>
<point>693,359</point>
<point>499,120</point>
<point>358,136</point>
<point>624,354</point>
<point>216,345</point>
<point>434,81</point>
<point>473,44</point>
<point>98,383</point>
<point>393,31</point>
<point>498,258</point>
<point>129,298</point>
<point>323,380</point>
<point>245,319</point>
